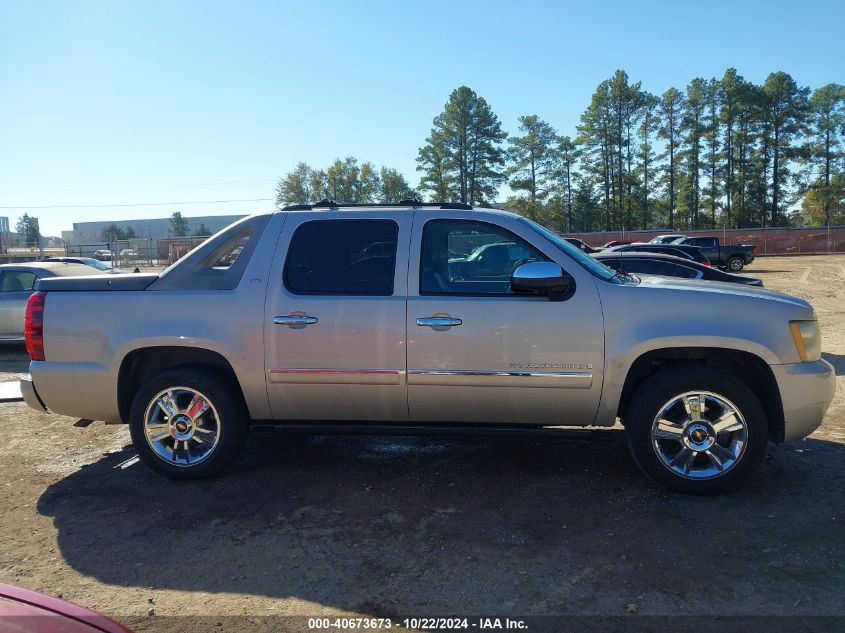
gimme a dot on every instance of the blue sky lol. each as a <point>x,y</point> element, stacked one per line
<point>122,102</point>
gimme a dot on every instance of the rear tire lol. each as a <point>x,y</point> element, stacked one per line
<point>736,264</point>
<point>188,424</point>
<point>696,430</point>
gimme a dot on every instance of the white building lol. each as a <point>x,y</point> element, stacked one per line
<point>91,232</point>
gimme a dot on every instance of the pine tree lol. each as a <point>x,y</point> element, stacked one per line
<point>827,120</point>
<point>787,106</point>
<point>729,98</point>
<point>467,138</point>
<point>693,130</point>
<point>433,162</point>
<point>178,225</point>
<point>670,107</point>
<point>567,155</point>
<point>595,135</point>
<point>533,156</point>
<point>648,128</point>
<point>711,141</point>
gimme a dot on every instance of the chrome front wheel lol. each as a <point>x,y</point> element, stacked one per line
<point>696,429</point>
<point>699,435</point>
<point>181,426</point>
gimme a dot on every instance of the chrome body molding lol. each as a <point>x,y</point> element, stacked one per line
<point>501,378</point>
<point>331,375</point>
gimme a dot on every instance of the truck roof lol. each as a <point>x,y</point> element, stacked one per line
<point>407,203</point>
<point>402,205</point>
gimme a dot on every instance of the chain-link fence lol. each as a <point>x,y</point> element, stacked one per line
<point>769,241</point>
<point>126,254</point>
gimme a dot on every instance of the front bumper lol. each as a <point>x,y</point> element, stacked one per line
<point>806,390</point>
<point>30,395</point>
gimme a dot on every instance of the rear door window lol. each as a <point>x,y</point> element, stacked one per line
<point>17,281</point>
<point>342,257</point>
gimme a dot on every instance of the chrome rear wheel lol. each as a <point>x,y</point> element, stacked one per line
<point>189,422</point>
<point>182,426</point>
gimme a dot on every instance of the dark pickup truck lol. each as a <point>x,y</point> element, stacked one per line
<point>734,258</point>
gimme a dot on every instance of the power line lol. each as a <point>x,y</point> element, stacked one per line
<point>135,204</point>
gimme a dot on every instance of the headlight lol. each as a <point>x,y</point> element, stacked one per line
<point>808,340</point>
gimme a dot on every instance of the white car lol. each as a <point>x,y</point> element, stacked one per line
<point>17,283</point>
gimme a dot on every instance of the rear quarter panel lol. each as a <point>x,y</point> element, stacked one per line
<point>88,334</point>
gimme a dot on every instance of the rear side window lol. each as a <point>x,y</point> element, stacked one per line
<point>16,281</point>
<point>705,242</point>
<point>227,254</point>
<point>342,257</point>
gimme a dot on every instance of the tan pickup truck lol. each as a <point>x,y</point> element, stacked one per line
<point>423,316</point>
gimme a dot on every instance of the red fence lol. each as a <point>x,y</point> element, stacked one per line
<point>768,241</point>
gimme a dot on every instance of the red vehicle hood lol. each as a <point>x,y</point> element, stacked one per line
<point>25,611</point>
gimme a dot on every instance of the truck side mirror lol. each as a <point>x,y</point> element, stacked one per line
<point>544,278</point>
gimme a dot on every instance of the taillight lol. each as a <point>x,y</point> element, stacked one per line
<point>755,250</point>
<point>33,326</point>
<point>706,262</point>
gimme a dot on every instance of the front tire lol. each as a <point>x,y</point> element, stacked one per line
<point>696,430</point>
<point>188,424</point>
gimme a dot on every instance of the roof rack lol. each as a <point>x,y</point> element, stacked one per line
<point>406,202</point>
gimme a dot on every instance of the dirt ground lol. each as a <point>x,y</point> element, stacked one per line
<point>400,527</point>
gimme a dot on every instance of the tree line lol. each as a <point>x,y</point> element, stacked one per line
<point>722,152</point>
<point>343,181</point>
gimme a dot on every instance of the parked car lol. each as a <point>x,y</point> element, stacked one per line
<point>128,253</point>
<point>17,283</point>
<point>25,611</point>
<point>580,244</point>
<point>665,239</point>
<point>493,260</point>
<point>616,243</point>
<point>87,261</point>
<point>670,266</point>
<point>733,258</point>
<point>103,255</point>
<point>677,250</point>
<point>300,333</point>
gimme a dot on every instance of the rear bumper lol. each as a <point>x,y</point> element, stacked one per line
<point>30,395</point>
<point>806,390</point>
<point>81,390</point>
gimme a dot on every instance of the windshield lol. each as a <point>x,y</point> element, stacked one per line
<point>98,264</point>
<point>594,266</point>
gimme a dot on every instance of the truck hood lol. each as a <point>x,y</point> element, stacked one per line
<point>721,288</point>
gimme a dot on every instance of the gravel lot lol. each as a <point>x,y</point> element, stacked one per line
<point>425,526</point>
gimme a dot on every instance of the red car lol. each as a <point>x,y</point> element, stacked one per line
<point>25,611</point>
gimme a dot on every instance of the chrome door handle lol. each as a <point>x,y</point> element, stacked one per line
<point>438,321</point>
<point>295,320</point>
